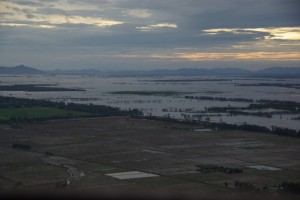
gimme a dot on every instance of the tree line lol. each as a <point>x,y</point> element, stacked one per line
<point>219,98</point>
<point>224,126</point>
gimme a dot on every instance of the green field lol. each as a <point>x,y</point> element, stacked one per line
<point>38,112</point>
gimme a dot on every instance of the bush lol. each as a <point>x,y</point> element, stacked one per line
<point>21,146</point>
<point>218,168</point>
<point>289,188</point>
<point>47,153</point>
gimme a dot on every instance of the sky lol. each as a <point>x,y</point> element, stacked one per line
<point>150,34</point>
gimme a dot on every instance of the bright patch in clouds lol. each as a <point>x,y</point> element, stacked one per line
<point>156,26</point>
<point>139,13</point>
<point>27,25</point>
<point>193,56</point>
<point>230,56</point>
<point>28,16</point>
<point>49,21</point>
<point>91,21</point>
<point>275,33</point>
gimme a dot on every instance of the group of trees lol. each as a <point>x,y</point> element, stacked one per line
<point>210,98</point>
<point>291,106</point>
<point>35,88</point>
<point>254,128</point>
<point>21,146</point>
<point>285,85</point>
<point>285,107</point>
<point>285,131</point>
<point>218,168</point>
<point>289,188</point>
<point>259,114</point>
<point>292,188</point>
<point>249,187</point>
<point>224,126</point>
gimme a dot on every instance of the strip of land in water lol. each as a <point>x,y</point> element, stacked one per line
<point>151,93</point>
<point>36,88</point>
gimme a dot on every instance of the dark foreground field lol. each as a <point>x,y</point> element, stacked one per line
<point>78,156</point>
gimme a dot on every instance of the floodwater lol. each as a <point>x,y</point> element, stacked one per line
<point>99,91</point>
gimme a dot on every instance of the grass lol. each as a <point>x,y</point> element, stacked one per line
<point>38,112</point>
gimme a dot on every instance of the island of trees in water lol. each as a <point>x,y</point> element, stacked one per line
<point>36,88</point>
<point>280,107</point>
<point>285,85</point>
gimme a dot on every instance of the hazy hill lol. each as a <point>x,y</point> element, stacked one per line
<point>21,69</point>
<point>181,72</point>
<point>281,71</point>
<point>276,72</point>
<point>77,72</point>
<point>269,72</point>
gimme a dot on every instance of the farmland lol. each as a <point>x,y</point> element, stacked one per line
<point>167,152</point>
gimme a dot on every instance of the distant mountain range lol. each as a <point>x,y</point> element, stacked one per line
<point>272,72</point>
<point>21,69</point>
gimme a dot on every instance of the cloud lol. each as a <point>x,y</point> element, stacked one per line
<point>27,25</point>
<point>157,26</point>
<point>139,13</point>
<point>26,13</point>
<point>43,21</point>
<point>239,56</point>
<point>136,31</point>
<point>204,56</point>
<point>274,33</point>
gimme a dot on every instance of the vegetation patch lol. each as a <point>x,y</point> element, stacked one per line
<point>21,146</point>
<point>150,93</point>
<point>218,168</point>
<point>285,85</point>
<point>224,126</point>
<point>36,88</point>
<point>209,98</point>
<point>289,188</point>
<point>249,187</point>
<point>186,80</point>
<point>32,113</point>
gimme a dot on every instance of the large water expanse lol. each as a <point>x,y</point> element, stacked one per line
<point>99,89</point>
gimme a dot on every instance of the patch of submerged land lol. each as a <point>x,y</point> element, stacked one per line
<point>151,93</point>
<point>285,85</point>
<point>149,155</point>
<point>36,88</point>
<point>261,108</point>
<point>186,80</point>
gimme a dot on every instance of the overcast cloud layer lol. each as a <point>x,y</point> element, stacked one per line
<point>149,34</point>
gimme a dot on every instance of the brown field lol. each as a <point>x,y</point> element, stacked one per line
<point>92,148</point>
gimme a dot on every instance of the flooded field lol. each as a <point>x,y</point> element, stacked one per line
<point>165,96</point>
